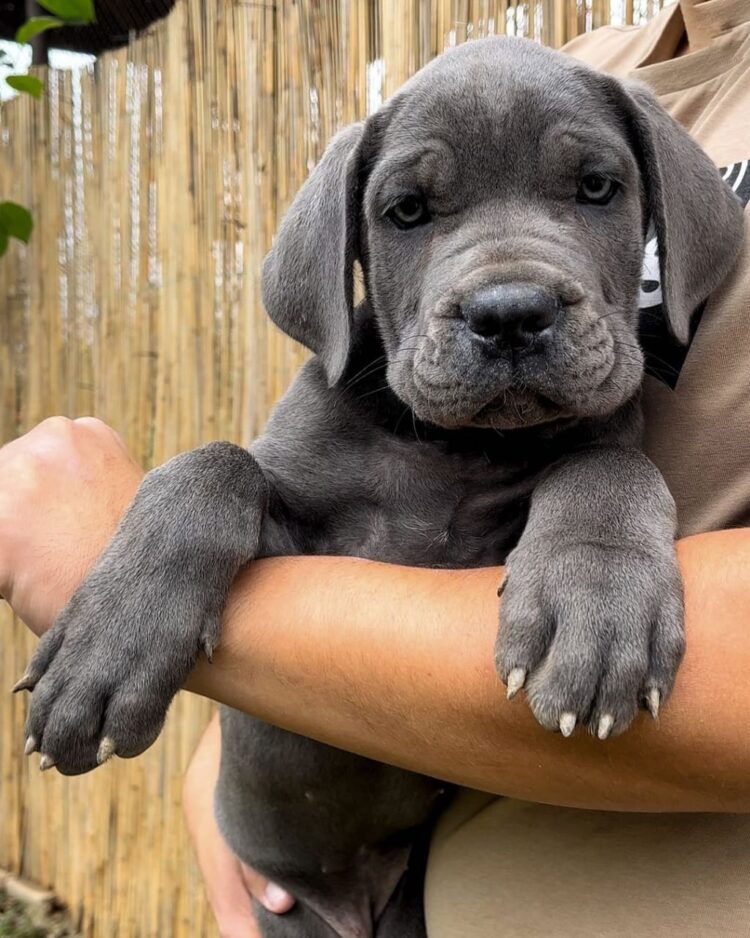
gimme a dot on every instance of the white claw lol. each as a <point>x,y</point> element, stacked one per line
<point>31,745</point>
<point>653,699</point>
<point>26,683</point>
<point>605,726</point>
<point>516,680</point>
<point>106,750</point>
<point>567,723</point>
<point>46,762</point>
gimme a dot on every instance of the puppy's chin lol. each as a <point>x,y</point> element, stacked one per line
<point>511,409</point>
<point>455,392</point>
<point>556,404</point>
<point>516,410</point>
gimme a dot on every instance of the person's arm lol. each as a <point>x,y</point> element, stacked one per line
<point>229,882</point>
<point>397,663</point>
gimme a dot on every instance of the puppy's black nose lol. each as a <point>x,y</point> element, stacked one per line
<point>513,314</point>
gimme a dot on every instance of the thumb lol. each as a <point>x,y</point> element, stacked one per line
<point>270,895</point>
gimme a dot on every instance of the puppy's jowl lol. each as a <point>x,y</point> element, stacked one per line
<point>479,407</point>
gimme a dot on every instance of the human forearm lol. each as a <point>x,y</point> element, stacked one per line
<point>396,663</point>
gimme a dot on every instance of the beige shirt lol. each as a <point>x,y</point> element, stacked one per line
<point>507,868</point>
<point>699,434</point>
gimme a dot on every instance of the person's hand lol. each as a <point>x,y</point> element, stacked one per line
<point>230,884</point>
<point>65,486</point>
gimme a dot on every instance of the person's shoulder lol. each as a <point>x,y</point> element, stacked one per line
<point>606,46</point>
<point>619,49</point>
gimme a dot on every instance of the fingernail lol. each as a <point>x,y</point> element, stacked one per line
<point>276,899</point>
<point>31,745</point>
<point>653,699</point>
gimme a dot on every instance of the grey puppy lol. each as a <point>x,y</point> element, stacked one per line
<point>479,407</point>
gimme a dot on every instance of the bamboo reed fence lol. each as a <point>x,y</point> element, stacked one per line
<point>156,180</point>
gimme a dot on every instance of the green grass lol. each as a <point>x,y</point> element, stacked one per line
<point>15,923</point>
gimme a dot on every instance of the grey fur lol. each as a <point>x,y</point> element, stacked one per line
<point>410,438</point>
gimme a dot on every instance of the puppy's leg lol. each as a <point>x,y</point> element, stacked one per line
<point>104,675</point>
<point>591,616</point>
<point>403,917</point>
<point>300,922</point>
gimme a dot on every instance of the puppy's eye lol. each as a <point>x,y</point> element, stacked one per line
<point>410,212</point>
<point>596,189</point>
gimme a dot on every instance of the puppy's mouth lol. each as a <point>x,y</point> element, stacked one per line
<point>451,380</point>
<point>520,408</point>
<point>463,404</point>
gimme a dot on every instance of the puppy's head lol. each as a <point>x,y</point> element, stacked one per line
<point>498,205</point>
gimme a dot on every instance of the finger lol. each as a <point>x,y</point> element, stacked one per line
<point>236,922</point>
<point>276,899</point>
<point>235,918</point>
<point>100,427</point>
<point>56,424</point>
<point>270,895</point>
<point>238,926</point>
<point>228,894</point>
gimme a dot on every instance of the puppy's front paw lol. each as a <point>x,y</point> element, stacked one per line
<point>591,631</point>
<point>104,675</point>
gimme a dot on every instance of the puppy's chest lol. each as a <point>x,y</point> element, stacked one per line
<point>413,503</point>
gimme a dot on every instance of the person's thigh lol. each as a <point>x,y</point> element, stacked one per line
<point>502,868</point>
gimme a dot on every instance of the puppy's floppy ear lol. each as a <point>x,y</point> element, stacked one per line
<point>698,219</point>
<point>308,274</point>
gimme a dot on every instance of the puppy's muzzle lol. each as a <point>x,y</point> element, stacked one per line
<point>511,316</point>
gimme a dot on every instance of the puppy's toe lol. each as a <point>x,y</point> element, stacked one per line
<point>64,722</point>
<point>134,718</point>
<point>525,631</point>
<point>562,689</point>
<point>617,699</point>
<point>665,653</point>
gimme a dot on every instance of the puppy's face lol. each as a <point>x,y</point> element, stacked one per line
<point>497,205</point>
<point>503,231</point>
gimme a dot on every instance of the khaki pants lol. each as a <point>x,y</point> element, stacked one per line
<point>509,868</point>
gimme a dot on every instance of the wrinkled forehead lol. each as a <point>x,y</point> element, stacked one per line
<point>504,109</point>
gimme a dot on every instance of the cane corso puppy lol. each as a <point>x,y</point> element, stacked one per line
<point>480,406</point>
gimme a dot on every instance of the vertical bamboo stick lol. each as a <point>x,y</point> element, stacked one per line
<point>157,180</point>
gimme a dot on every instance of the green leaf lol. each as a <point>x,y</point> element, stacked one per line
<point>29,84</point>
<point>35,26</point>
<point>3,240</point>
<point>76,12</point>
<point>16,221</point>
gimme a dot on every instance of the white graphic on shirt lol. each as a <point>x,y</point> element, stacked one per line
<point>737,178</point>
<point>650,273</point>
